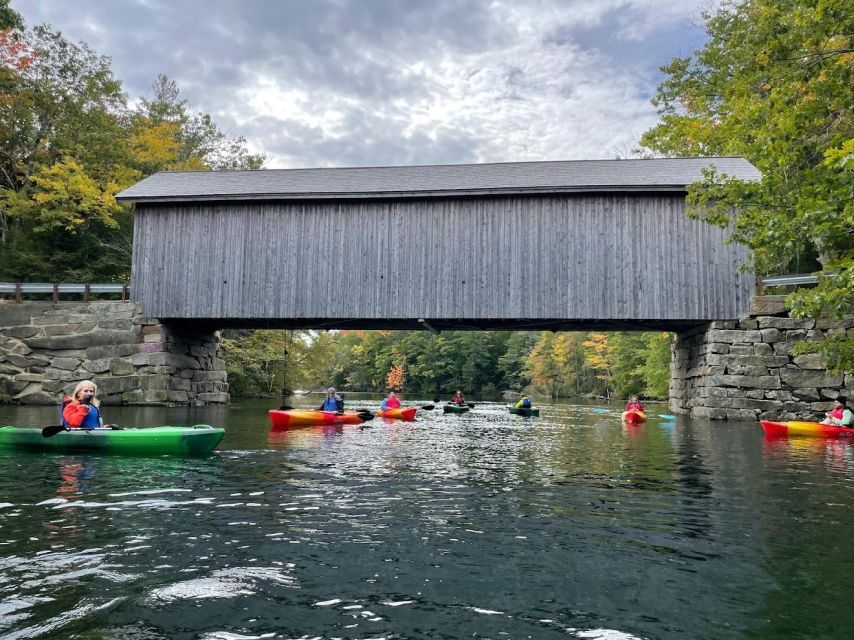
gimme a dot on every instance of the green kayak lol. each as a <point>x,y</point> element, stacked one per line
<point>195,440</point>
<point>454,408</point>
<point>520,411</point>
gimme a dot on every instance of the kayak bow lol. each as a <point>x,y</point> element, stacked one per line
<point>634,416</point>
<point>523,411</point>
<point>454,408</point>
<point>401,413</point>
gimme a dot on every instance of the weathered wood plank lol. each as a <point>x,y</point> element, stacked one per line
<point>590,256</point>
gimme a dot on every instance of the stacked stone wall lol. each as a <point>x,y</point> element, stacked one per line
<point>46,349</point>
<point>745,369</point>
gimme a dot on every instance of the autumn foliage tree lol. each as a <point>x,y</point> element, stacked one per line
<point>773,83</point>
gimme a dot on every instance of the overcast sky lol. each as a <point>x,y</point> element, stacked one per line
<point>389,82</point>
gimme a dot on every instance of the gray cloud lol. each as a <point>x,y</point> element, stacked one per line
<point>346,82</point>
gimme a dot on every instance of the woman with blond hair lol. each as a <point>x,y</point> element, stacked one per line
<point>81,410</point>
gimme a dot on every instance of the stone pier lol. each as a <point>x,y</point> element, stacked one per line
<point>745,369</point>
<point>46,348</point>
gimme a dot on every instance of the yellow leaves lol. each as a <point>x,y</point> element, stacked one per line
<point>66,197</point>
<point>156,147</point>
<point>598,357</point>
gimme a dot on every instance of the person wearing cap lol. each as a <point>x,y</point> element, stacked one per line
<point>332,401</point>
<point>841,415</point>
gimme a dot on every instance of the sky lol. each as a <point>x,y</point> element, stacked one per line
<point>338,83</point>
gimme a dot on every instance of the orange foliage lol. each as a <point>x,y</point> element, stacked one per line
<point>395,377</point>
<point>14,54</point>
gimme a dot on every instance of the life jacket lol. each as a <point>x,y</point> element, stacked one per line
<point>66,400</point>
<point>634,406</point>
<point>331,404</point>
<point>92,419</point>
<point>391,403</point>
<point>837,413</point>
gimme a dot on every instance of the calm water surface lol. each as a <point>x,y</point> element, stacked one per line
<point>484,525</point>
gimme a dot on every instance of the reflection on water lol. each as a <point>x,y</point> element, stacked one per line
<point>477,525</point>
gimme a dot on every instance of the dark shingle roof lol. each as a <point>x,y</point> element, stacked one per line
<point>659,174</point>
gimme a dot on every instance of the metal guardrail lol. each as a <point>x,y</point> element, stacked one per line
<point>57,288</point>
<point>789,281</point>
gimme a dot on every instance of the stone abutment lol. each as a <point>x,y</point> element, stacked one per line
<point>745,369</point>
<point>46,348</point>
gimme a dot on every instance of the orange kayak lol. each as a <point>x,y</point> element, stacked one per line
<point>401,413</point>
<point>813,429</point>
<point>634,416</point>
<point>300,417</point>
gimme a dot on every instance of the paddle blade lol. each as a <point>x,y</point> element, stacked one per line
<point>428,407</point>
<point>470,405</point>
<point>52,430</point>
<point>600,410</point>
<point>286,407</point>
<point>667,416</point>
<point>365,415</point>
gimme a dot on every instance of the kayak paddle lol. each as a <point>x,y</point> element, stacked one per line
<point>601,410</point>
<point>365,415</point>
<point>667,416</point>
<point>52,430</point>
<point>428,407</point>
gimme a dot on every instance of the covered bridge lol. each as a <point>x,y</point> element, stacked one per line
<point>602,244</point>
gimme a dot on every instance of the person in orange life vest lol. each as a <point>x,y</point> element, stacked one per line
<point>458,398</point>
<point>81,410</point>
<point>390,402</point>
<point>841,415</point>
<point>634,404</point>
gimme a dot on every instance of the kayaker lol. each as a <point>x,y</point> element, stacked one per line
<point>390,402</point>
<point>524,403</point>
<point>841,415</point>
<point>332,402</point>
<point>634,404</point>
<point>81,409</point>
<point>458,398</point>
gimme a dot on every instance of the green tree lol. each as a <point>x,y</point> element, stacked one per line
<point>773,84</point>
<point>199,143</point>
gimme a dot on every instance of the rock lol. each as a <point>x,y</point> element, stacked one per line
<point>768,306</point>
<point>119,367</point>
<point>798,378</point>
<point>811,361</point>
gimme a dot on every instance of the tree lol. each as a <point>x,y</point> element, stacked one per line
<point>773,84</point>
<point>198,141</point>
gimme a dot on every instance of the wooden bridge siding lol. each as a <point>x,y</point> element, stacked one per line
<point>574,257</point>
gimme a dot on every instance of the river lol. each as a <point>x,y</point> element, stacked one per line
<point>482,525</point>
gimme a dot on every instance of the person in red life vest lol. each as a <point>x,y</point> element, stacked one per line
<point>390,402</point>
<point>634,404</point>
<point>841,415</point>
<point>458,398</point>
<point>81,410</point>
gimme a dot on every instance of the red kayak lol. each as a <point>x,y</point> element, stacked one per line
<point>634,416</point>
<point>813,429</point>
<point>283,419</point>
<point>401,413</point>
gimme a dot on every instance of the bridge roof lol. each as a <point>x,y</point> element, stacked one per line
<point>658,174</point>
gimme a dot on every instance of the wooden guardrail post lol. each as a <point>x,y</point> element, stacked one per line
<point>18,292</point>
<point>55,292</point>
<point>86,293</point>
